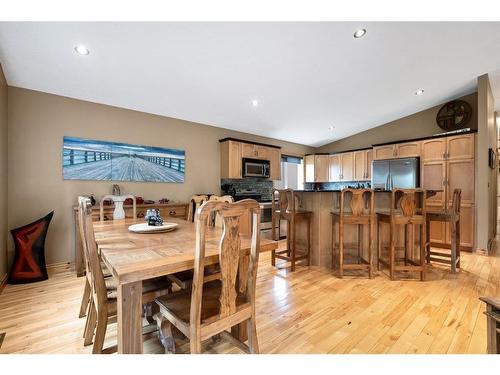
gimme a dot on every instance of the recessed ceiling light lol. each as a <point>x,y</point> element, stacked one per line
<point>419,92</point>
<point>82,50</point>
<point>255,102</point>
<point>359,33</point>
<point>331,128</point>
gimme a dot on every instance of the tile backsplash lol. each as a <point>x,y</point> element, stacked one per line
<point>263,186</point>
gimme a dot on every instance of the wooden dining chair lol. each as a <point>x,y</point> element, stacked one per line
<point>215,219</point>
<point>408,210</point>
<point>110,197</point>
<point>451,216</point>
<point>194,203</point>
<point>212,308</point>
<point>284,207</point>
<point>103,303</point>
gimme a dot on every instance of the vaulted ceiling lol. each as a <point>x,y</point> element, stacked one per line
<point>306,77</point>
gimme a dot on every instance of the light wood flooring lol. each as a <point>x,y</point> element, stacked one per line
<point>308,311</point>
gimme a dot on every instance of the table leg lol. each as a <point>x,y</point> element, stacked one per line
<point>130,318</point>
<point>240,332</point>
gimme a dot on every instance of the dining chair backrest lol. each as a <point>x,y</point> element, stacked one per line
<point>82,201</point>
<point>238,271</point>
<point>215,219</point>
<point>110,197</point>
<point>409,203</point>
<point>361,202</point>
<point>97,282</point>
<point>194,203</point>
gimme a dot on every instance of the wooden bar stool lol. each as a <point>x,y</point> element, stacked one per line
<point>452,216</point>
<point>285,209</point>
<point>361,213</point>
<point>408,209</point>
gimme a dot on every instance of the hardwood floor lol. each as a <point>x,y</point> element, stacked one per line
<point>308,311</point>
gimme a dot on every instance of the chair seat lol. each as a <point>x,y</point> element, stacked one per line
<point>439,216</point>
<point>297,212</point>
<point>179,303</point>
<point>150,285</point>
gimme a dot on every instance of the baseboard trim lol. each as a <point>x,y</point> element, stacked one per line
<point>59,265</point>
<point>3,282</point>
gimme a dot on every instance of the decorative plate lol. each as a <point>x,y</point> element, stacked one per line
<point>145,228</point>
<point>454,115</point>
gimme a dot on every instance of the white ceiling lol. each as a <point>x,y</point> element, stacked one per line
<point>306,76</point>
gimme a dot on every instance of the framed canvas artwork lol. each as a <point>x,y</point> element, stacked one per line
<point>85,159</point>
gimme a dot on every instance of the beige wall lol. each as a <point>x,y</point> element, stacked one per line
<point>486,186</point>
<point>420,124</point>
<point>37,124</point>
<point>3,174</point>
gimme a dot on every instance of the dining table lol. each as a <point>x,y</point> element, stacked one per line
<point>134,257</point>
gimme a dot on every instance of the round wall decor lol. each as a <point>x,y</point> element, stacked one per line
<point>454,115</point>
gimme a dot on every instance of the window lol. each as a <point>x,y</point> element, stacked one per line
<point>292,173</point>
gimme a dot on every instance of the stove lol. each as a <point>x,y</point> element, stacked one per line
<point>247,194</point>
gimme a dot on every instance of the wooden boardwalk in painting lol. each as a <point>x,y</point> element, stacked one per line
<point>125,168</point>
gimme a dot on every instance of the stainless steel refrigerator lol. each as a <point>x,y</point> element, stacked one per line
<point>396,173</point>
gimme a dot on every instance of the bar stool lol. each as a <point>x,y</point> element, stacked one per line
<point>285,209</point>
<point>451,216</point>
<point>408,209</point>
<point>360,213</point>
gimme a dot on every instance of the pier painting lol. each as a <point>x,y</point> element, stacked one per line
<point>85,159</point>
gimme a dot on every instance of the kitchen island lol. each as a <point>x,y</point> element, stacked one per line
<point>321,203</point>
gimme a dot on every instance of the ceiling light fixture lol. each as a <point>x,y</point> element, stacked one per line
<point>82,50</point>
<point>255,102</point>
<point>331,127</point>
<point>359,33</point>
<point>419,92</point>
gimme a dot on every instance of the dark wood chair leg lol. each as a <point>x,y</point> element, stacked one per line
<point>293,243</point>
<point>423,264</point>
<point>379,245</point>
<point>428,241</point>
<point>453,229</point>
<point>308,240</point>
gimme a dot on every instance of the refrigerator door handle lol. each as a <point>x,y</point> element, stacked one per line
<point>386,187</point>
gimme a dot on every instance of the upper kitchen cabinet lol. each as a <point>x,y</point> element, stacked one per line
<point>369,160</point>
<point>335,168</point>
<point>362,165</point>
<point>347,165</point>
<point>407,150</point>
<point>399,150</point>
<point>309,168</point>
<point>359,165</point>
<point>321,168</point>
<point>433,149</point>
<point>460,147</point>
<point>230,157</point>
<point>275,161</point>
<point>384,152</point>
<point>233,151</point>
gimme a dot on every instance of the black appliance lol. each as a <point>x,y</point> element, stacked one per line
<point>256,168</point>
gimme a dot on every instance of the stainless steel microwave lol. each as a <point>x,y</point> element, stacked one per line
<point>256,168</point>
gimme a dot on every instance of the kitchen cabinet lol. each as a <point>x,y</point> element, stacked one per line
<point>334,168</point>
<point>448,163</point>
<point>460,147</point>
<point>321,168</point>
<point>309,168</point>
<point>359,165</point>
<point>233,151</point>
<point>433,149</point>
<point>231,162</point>
<point>347,166</point>
<point>407,150</point>
<point>369,159</point>
<point>383,152</point>
<point>433,177</point>
<point>248,150</point>
<point>274,155</point>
